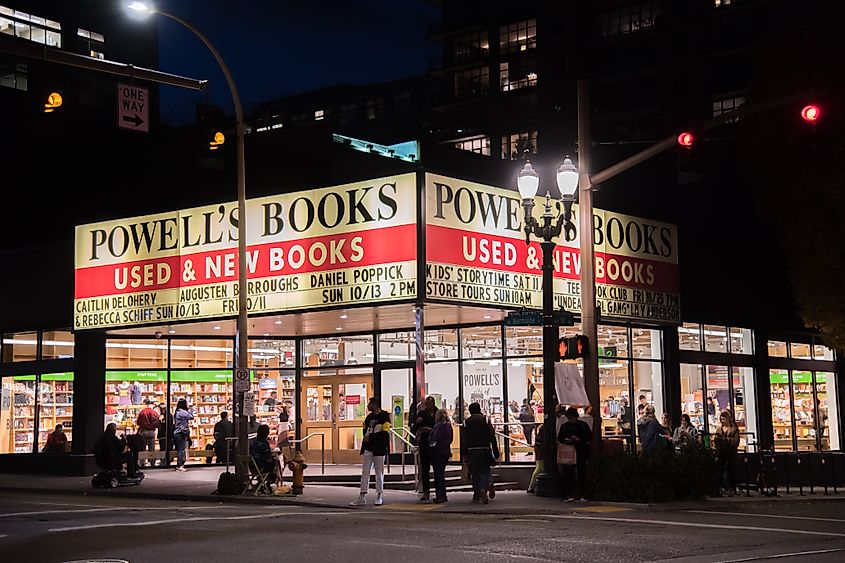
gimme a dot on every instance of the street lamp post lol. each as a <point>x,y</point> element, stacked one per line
<point>242,336</point>
<point>547,231</point>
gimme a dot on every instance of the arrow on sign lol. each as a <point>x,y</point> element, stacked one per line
<point>136,120</point>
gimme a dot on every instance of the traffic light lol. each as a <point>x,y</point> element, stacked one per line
<point>685,139</point>
<point>216,141</point>
<point>53,102</point>
<point>572,347</point>
<point>811,113</point>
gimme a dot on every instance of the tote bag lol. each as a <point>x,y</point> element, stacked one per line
<point>566,454</point>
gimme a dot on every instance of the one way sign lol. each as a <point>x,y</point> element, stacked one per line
<point>133,109</point>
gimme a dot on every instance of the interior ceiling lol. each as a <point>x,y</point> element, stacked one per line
<point>358,319</point>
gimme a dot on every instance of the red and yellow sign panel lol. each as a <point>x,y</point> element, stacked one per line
<point>476,253</point>
<point>354,243</point>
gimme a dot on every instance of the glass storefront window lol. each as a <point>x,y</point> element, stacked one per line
<point>616,408</point>
<point>781,409</point>
<point>647,344</point>
<point>821,352</point>
<point>17,414</point>
<point>481,342</point>
<point>441,344</point>
<point>441,382</point>
<point>483,384</point>
<point>151,353</point>
<point>613,341</point>
<point>524,341</point>
<point>743,399</point>
<point>274,391</point>
<point>805,417</point>
<point>742,340</point>
<point>268,353</point>
<point>692,395</point>
<point>828,415</point>
<point>715,339</point>
<point>198,353</point>
<point>125,394</point>
<point>777,348</point>
<point>20,347</point>
<point>55,406</point>
<point>799,351</point>
<point>57,344</point>
<point>718,394</point>
<point>522,389</point>
<point>397,346</point>
<point>689,337</point>
<point>648,384</point>
<point>339,351</point>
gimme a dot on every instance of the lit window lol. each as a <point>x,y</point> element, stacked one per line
<point>92,43</point>
<point>516,75</point>
<point>519,36</point>
<point>478,145</point>
<point>319,115</point>
<point>628,19</point>
<point>515,144</point>
<point>33,28</point>
<point>727,105</point>
<point>718,3</point>
<point>471,46</point>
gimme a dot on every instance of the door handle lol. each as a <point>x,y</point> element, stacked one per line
<point>334,420</point>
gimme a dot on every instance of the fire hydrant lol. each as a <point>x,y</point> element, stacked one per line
<point>297,467</point>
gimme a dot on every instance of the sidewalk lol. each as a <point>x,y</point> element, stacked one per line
<point>198,485</point>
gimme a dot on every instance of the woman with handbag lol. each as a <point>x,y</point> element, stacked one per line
<point>573,451</point>
<point>479,443</point>
<point>181,433</point>
<point>440,446</point>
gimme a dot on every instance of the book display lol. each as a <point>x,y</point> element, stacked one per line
<point>19,410</point>
<point>55,406</point>
<point>274,391</point>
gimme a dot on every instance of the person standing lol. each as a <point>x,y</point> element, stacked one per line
<point>182,433</point>
<point>575,432</point>
<point>56,440</point>
<point>685,434</point>
<point>271,401</point>
<point>539,462</point>
<point>421,428</point>
<point>650,431</point>
<point>165,433</point>
<point>148,422</point>
<point>526,418</point>
<point>440,442</point>
<point>223,429</point>
<point>373,450</point>
<point>726,441</point>
<point>477,443</point>
<point>625,420</point>
<point>666,425</point>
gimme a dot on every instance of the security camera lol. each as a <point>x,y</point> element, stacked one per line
<point>158,334</point>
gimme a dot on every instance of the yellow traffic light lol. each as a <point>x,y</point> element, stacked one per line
<point>218,141</point>
<point>54,100</point>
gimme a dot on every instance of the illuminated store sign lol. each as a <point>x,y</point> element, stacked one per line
<point>354,243</point>
<point>476,253</point>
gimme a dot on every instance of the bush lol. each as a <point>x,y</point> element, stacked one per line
<point>661,477</point>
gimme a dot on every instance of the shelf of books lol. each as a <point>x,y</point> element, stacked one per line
<point>274,391</point>
<point>55,406</point>
<point>800,411</point>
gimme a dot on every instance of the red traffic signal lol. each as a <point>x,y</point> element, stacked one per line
<point>572,347</point>
<point>811,113</point>
<point>685,139</point>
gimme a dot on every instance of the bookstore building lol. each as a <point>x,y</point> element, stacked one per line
<point>343,281</point>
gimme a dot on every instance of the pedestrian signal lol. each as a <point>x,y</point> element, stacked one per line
<point>572,347</point>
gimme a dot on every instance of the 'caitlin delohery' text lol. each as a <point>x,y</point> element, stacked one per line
<point>502,212</point>
<point>329,211</point>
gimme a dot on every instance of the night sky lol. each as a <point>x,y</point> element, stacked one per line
<point>279,48</point>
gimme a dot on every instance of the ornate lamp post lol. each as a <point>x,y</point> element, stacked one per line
<point>547,230</point>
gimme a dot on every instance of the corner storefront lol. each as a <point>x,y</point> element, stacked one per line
<point>345,281</point>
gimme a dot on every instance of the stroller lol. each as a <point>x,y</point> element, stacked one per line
<point>113,474</point>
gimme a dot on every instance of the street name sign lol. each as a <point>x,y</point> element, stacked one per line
<point>532,317</point>
<point>133,108</point>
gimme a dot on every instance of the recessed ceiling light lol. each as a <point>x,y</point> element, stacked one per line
<point>172,331</point>
<point>487,317</point>
<point>266,334</point>
<point>278,322</point>
<point>338,328</point>
<point>217,327</point>
<point>344,316</point>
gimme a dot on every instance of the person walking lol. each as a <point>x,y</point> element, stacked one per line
<point>577,433</point>
<point>726,441</point>
<point>440,443</point>
<point>373,450</point>
<point>148,422</point>
<point>181,432</point>
<point>650,431</point>
<point>481,448</point>
<point>539,462</point>
<point>685,434</point>
<point>165,434</point>
<point>421,429</point>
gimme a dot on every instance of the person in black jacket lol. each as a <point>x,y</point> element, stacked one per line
<point>477,443</point>
<point>421,428</point>
<point>165,434</point>
<point>577,433</point>
<point>108,449</point>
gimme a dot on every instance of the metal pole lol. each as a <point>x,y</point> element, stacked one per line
<point>588,258</point>
<point>242,337</point>
<point>548,482</point>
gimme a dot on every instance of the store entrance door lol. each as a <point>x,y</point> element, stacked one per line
<point>335,406</point>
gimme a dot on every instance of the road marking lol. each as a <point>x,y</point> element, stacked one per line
<point>43,512</point>
<point>534,520</point>
<point>3,536</point>
<point>105,509</point>
<point>767,515</point>
<point>499,554</point>
<point>696,525</point>
<point>197,519</point>
<point>780,555</point>
<point>602,508</point>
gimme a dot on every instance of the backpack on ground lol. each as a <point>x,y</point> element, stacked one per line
<point>229,484</point>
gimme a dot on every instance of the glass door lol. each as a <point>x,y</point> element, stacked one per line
<point>335,407</point>
<point>396,396</point>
